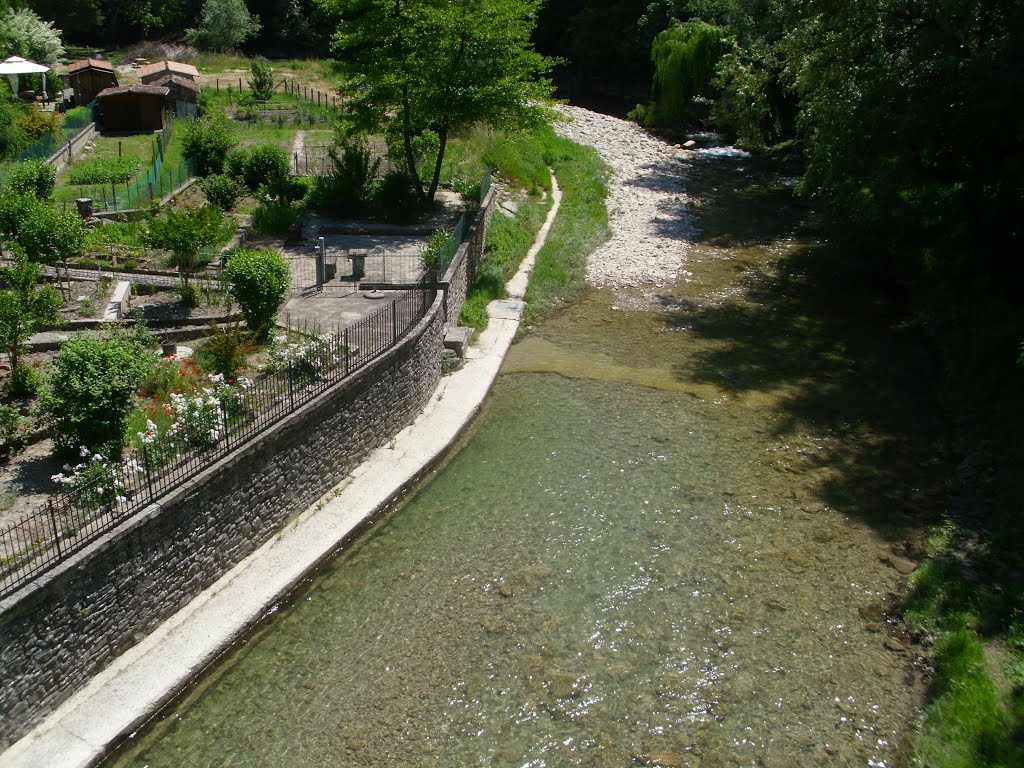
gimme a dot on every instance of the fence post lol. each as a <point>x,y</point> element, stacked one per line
<point>345,342</point>
<point>224,422</point>
<point>149,477</point>
<point>113,192</point>
<point>291,388</point>
<point>394,322</point>
<point>56,530</point>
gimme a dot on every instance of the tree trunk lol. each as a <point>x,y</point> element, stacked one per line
<point>442,135</point>
<point>410,160</point>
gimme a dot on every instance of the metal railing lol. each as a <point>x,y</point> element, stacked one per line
<point>48,145</point>
<point>75,517</point>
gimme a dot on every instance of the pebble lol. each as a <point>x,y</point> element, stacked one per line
<point>649,212</point>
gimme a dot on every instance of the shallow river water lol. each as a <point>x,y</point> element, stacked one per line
<point>668,541</point>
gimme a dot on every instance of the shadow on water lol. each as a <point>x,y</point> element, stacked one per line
<point>834,340</point>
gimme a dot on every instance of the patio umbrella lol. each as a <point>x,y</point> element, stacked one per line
<point>15,65</point>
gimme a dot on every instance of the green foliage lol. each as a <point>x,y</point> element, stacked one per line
<point>349,188</point>
<point>35,123</point>
<point>259,281</point>
<point>92,389</point>
<point>49,234</point>
<point>12,138</point>
<point>186,233</point>
<point>207,142</point>
<point>220,190</point>
<point>262,80</point>
<point>25,306</point>
<point>263,168</point>
<point>685,57</point>
<point>272,218</point>
<point>225,24</point>
<point>14,208</point>
<point>226,351</point>
<point>13,430</point>
<point>104,170</point>
<point>34,177</point>
<point>419,67</point>
<point>30,37</point>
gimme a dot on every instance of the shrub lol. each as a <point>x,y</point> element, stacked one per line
<point>350,187</point>
<point>207,142</point>
<point>35,123</point>
<point>13,430</point>
<point>265,167</point>
<point>397,198</point>
<point>92,389</point>
<point>49,234</point>
<point>220,190</point>
<point>272,218</point>
<point>105,170</point>
<point>262,81</point>
<point>14,208</point>
<point>32,177</point>
<point>226,351</point>
<point>234,164</point>
<point>98,481</point>
<point>259,281</point>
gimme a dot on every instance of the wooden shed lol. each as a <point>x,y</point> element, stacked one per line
<point>183,94</point>
<point>131,108</point>
<point>153,72</point>
<point>86,78</point>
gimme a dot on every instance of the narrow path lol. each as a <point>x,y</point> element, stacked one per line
<point>298,148</point>
<point>516,287</point>
<point>143,679</point>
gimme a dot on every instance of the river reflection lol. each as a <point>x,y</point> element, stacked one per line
<point>665,544</point>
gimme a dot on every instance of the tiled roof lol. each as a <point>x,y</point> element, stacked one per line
<point>184,82</point>
<point>175,67</point>
<point>153,90</point>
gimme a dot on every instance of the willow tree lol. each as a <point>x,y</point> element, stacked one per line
<point>425,66</point>
<point>685,58</point>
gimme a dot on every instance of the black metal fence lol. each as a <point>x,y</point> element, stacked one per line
<point>84,511</point>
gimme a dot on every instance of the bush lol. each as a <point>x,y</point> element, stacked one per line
<point>35,123</point>
<point>49,235</point>
<point>92,389</point>
<point>259,281</point>
<point>271,218</point>
<point>349,189</point>
<point>397,198</point>
<point>265,167</point>
<point>32,177</point>
<point>226,352</point>
<point>13,430</point>
<point>262,81</point>
<point>14,207</point>
<point>105,170</point>
<point>207,142</point>
<point>234,164</point>
<point>220,190</point>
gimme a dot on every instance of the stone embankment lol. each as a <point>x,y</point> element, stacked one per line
<point>648,209</point>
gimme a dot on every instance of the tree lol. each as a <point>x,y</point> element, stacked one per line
<point>30,37</point>
<point>685,57</point>
<point>426,66</point>
<point>49,234</point>
<point>186,233</point>
<point>12,137</point>
<point>207,142</point>
<point>92,390</point>
<point>225,25</point>
<point>259,281</point>
<point>24,307</point>
<point>262,80</point>
<point>34,177</point>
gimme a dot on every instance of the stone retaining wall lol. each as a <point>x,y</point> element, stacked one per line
<point>59,631</point>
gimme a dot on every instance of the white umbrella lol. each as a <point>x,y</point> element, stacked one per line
<point>15,65</point>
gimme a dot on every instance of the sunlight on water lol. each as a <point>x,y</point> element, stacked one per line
<point>630,563</point>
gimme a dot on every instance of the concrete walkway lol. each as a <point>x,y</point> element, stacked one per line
<point>137,684</point>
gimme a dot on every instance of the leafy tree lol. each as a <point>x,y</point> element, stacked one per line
<point>262,80</point>
<point>259,281</point>
<point>186,234</point>
<point>426,66</point>
<point>220,190</point>
<point>207,142</point>
<point>30,37</point>
<point>12,137</point>
<point>685,57</point>
<point>49,234</point>
<point>92,390</point>
<point>35,177</point>
<point>225,25</point>
<point>25,306</point>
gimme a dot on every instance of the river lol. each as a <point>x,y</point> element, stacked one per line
<point>672,538</point>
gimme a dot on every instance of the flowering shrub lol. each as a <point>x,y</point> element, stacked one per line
<point>196,420</point>
<point>306,361</point>
<point>97,481</point>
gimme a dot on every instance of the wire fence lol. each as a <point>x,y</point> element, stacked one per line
<point>157,181</point>
<point>236,414</point>
<point>48,145</point>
